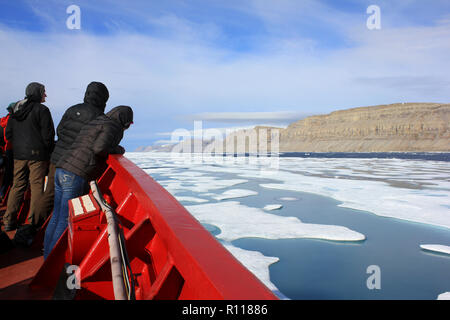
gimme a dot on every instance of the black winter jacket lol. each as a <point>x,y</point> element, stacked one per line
<point>30,127</point>
<point>77,116</point>
<point>97,139</point>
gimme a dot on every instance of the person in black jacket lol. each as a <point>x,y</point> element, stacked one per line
<point>84,161</point>
<point>68,129</point>
<point>31,132</point>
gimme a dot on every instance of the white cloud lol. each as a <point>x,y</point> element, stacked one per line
<point>184,73</point>
<point>254,117</point>
<point>206,133</point>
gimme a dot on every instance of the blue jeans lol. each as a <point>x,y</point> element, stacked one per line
<point>67,186</point>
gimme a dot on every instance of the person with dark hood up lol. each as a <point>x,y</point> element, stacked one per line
<point>31,131</point>
<point>84,161</point>
<point>69,127</point>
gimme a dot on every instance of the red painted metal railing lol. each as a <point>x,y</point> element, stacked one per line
<point>171,255</point>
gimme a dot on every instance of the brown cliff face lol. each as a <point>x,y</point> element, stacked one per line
<point>408,127</point>
<point>256,140</point>
<point>384,128</point>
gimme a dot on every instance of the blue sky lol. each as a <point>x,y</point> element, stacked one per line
<point>227,63</point>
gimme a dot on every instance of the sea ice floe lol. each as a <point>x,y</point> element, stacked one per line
<point>187,175</point>
<point>238,221</point>
<point>444,296</point>
<point>288,199</point>
<point>256,262</point>
<point>406,189</point>
<point>411,190</point>
<point>374,196</point>
<point>190,199</point>
<point>172,186</point>
<point>207,194</point>
<point>235,193</point>
<point>156,170</point>
<point>199,184</point>
<point>271,207</point>
<point>436,248</point>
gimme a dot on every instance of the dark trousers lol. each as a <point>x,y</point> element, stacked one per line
<point>45,205</point>
<point>25,171</point>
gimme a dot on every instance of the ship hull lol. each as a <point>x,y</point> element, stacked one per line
<point>170,254</point>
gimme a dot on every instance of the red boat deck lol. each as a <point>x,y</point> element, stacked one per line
<point>17,268</point>
<point>19,265</point>
<point>172,256</point>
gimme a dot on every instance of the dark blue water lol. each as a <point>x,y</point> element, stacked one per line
<point>320,269</point>
<point>372,155</point>
<point>433,156</point>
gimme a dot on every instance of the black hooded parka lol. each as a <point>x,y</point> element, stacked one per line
<point>77,116</point>
<point>30,127</point>
<point>86,157</point>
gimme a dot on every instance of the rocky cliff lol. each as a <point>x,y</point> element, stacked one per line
<point>260,139</point>
<point>402,127</point>
<point>384,128</point>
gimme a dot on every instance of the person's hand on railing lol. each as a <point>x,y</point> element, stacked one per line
<point>118,150</point>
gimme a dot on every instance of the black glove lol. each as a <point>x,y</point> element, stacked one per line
<point>119,150</point>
